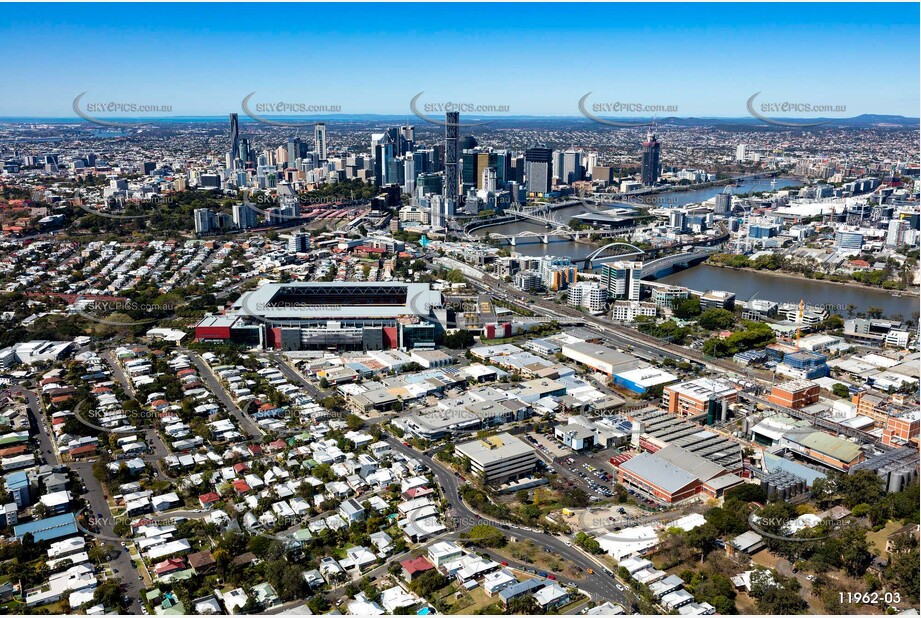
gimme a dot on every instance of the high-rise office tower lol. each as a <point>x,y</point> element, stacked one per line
<point>234,138</point>
<point>204,220</point>
<point>895,233</point>
<point>452,119</point>
<point>622,279</point>
<point>319,133</point>
<point>246,154</point>
<point>538,169</point>
<point>408,133</point>
<point>723,202</point>
<point>573,170</point>
<point>650,170</point>
<point>469,170</point>
<point>294,151</point>
<point>383,156</point>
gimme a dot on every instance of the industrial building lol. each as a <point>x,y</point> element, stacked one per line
<point>701,397</point>
<point>673,474</point>
<point>640,380</point>
<point>828,450</point>
<point>500,458</point>
<point>331,316</point>
<point>794,394</point>
<point>655,429</point>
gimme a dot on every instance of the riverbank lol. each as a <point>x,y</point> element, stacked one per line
<point>848,284</point>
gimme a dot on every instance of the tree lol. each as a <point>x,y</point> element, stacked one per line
<point>686,308</point>
<point>484,535</point>
<point>526,605</point>
<point>840,390</point>
<point>575,498</point>
<point>716,319</point>
<point>353,422</point>
<point>855,551</point>
<point>459,340</point>
<point>875,312</point>
<point>588,543</point>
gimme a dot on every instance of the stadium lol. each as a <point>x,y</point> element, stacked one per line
<point>331,316</point>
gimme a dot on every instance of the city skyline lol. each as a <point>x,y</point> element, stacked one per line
<point>700,60</point>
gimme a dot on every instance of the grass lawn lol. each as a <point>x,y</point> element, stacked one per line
<point>529,552</point>
<point>878,539</point>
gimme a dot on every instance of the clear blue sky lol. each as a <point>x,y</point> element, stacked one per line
<point>539,59</point>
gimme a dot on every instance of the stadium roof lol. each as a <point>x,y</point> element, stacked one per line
<point>347,300</point>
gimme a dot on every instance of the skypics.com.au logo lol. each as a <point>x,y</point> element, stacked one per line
<point>104,112</point>
<point>433,111</point>
<point>283,109</point>
<point>759,111</point>
<point>591,111</point>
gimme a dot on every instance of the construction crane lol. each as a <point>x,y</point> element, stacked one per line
<point>799,323</point>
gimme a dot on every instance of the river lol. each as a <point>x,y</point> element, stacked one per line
<point>576,251</point>
<point>834,297</point>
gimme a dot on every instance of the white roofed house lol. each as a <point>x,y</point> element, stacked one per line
<point>351,511</point>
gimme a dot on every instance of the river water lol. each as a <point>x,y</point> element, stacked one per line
<point>574,250</point>
<point>834,297</point>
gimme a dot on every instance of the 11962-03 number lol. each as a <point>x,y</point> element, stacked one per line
<point>870,598</point>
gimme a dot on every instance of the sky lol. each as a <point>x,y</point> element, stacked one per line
<point>536,59</point>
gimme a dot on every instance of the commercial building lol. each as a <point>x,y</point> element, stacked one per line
<point>794,394</point>
<point>499,458</point>
<point>588,294</point>
<point>650,166</point>
<point>622,279</point>
<point>703,396</point>
<point>628,310</point>
<point>538,169</point>
<point>803,365</point>
<point>600,358</point>
<point>331,316</point>
<point>665,297</point>
<point>640,380</point>
<point>717,299</point>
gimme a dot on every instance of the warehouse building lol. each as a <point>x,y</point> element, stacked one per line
<point>500,458</point>
<point>640,380</point>
<point>602,359</point>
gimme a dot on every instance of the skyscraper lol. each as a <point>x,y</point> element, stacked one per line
<point>573,170</point>
<point>538,169</point>
<point>320,137</point>
<point>650,170</point>
<point>452,119</point>
<point>294,151</point>
<point>234,139</point>
<point>723,202</point>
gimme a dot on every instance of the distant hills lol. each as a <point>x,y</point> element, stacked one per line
<point>741,122</point>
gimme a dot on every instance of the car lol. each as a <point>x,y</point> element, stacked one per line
<point>406,444</point>
<point>124,544</point>
<point>619,587</point>
<point>542,573</point>
<point>504,563</point>
<point>551,576</point>
<point>590,571</point>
